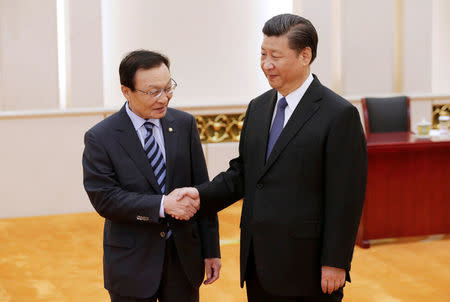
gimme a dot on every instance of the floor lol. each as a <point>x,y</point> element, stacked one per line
<point>58,258</point>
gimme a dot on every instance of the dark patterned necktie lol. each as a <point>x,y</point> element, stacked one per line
<point>277,126</point>
<point>155,157</point>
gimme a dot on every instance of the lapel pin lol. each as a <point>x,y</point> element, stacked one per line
<point>170,129</point>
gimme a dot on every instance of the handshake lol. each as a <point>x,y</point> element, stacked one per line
<point>182,203</point>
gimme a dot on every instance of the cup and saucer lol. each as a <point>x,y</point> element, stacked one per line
<point>423,130</point>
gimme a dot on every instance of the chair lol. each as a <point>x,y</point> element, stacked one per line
<point>390,114</point>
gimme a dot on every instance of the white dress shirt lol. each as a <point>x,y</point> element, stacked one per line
<point>293,99</point>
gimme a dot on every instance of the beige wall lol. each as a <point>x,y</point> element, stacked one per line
<point>85,56</point>
<point>367,46</point>
<point>28,55</point>
<point>441,46</point>
<point>41,165</point>
<point>383,47</point>
<point>417,46</point>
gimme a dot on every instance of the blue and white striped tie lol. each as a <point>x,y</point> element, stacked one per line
<point>155,157</point>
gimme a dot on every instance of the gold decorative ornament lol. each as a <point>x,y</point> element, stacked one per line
<point>235,128</point>
<point>439,111</point>
<point>201,126</point>
<point>216,129</point>
<point>220,128</point>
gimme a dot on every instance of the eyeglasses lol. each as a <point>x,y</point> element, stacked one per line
<point>156,93</point>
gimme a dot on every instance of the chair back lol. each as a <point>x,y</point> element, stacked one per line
<point>389,114</point>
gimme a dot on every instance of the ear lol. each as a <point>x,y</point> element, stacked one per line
<point>306,55</point>
<point>125,91</point>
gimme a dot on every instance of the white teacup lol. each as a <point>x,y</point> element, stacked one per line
<point>423,128</point>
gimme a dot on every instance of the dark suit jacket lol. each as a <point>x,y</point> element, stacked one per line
<point>302,207</point>
<point>122,188</point>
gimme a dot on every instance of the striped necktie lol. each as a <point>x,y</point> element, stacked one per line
<point>155,157</point>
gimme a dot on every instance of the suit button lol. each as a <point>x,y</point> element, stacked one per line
<point>259,186</point>
<point>162,234</point>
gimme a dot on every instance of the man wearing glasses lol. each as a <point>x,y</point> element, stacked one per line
<point>132,160</point>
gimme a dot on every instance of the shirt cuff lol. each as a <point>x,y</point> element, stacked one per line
<point>161,208</point>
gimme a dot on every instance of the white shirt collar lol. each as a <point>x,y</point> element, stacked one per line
<point>138,121</point>
<point>295,96</point>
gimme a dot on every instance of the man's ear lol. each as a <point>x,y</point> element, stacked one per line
<point>306,55</point>
<point>125,91</point>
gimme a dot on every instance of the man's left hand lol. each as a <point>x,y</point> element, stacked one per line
<point>332,279</point>
<point>212,267</point>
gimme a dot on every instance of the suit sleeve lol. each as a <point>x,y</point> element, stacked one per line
<point>227,187</point>
<point>345,183</point>
<point>107,196</point>
<point>208,224</point>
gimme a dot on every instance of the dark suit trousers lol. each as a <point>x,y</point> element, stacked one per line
<point>256,293</point>
<point>174,286</point>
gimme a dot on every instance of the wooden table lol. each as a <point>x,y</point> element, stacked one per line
<point>408,187</point>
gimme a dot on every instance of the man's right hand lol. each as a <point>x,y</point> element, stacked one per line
<point>181,205</point>
<point>189,192</point>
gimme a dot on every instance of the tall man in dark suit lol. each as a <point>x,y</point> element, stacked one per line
<point>302,173</point>
<point>131,160</point>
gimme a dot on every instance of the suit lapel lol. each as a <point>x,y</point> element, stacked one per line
<point>129,140</point>
<point>307,107</point>
<point>265,112</point>
<point>170,133</point>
